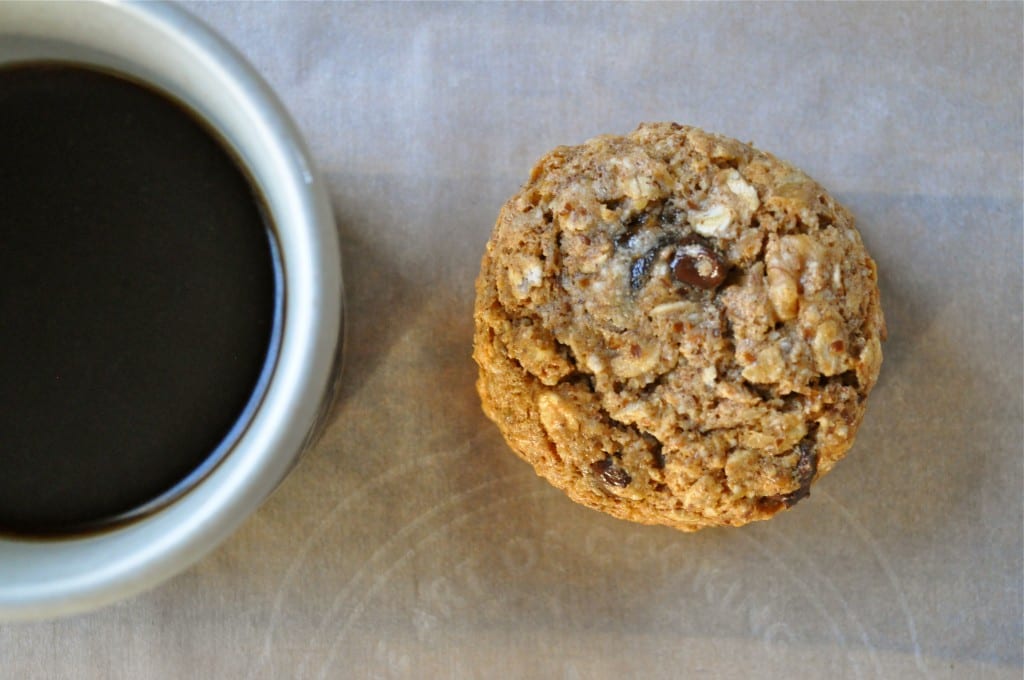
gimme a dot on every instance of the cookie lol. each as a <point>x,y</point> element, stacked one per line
<point>676,328</point>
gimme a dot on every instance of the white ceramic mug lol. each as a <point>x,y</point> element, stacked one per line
<point>164,46</point>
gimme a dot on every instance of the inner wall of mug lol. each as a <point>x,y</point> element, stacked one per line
<point>163,46</point>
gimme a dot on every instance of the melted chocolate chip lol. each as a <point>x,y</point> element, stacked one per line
<point>640,272</point>
<point>610,473</point>
<point>806,468</point>
<point>657,454</point>
<point>697,263</point>
<point>670,216</point>
<point>631,227</point>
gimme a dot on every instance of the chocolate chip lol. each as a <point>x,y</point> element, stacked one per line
<point>697,263</point>
<point>610,473</point>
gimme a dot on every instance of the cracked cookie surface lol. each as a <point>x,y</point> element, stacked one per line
<point>676,328</point>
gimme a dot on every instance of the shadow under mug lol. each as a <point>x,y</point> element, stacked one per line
<point>162,45</point>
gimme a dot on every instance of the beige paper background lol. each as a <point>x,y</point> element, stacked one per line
<point>411,543</point>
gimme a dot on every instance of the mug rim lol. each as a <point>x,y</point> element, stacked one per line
<point>85,572</point>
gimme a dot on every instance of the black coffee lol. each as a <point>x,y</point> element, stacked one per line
<point>137,298</point>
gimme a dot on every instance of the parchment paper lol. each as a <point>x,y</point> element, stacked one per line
<point>412,543</point>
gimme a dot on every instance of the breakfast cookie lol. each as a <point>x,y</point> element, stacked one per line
<point>676,328</point>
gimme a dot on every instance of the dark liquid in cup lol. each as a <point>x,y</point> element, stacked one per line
<point>138,298</point>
